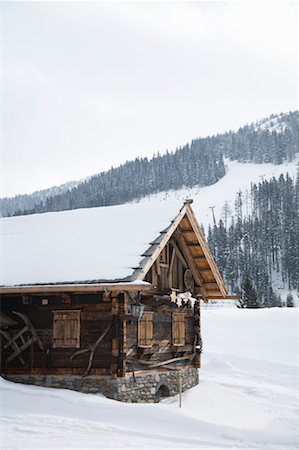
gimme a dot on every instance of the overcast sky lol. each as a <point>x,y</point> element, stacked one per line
<point>90,85</point>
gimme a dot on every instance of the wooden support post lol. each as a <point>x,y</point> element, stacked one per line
<point>154,275</point>
<point>119,334</point>
<point>122,330</point>
<point>197,332</point>
<point>170,277</point>
<point>180,392</point>
<point>114,334</point>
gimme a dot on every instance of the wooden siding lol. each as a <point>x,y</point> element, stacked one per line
<point>95,317</point>
<point>122,349</point>
<point>162,347</point>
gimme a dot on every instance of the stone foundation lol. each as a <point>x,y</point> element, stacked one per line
<point>143,387</point>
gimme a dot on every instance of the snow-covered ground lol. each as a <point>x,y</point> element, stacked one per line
<point>239,176</point>
<point>272,123</point>
<point>247,397</point>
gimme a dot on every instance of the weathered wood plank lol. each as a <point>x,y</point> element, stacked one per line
<point>76,288</point>
<point>206,251</point>
<point>114,335</point>
<point>122,335</point>
<point>191,263</point>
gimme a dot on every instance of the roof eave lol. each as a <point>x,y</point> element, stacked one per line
<point>206,251</point>
<point>78,288</point>
<point>147,262</point>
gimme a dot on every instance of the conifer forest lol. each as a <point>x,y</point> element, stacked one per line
<point>261,245</point>
<point>200,163</point>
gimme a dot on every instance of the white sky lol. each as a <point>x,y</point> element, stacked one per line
<point>90,85</point>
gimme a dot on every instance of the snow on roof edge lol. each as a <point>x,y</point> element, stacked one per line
<point>91,245</point>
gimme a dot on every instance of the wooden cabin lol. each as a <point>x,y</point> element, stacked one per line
<point>106,299</point>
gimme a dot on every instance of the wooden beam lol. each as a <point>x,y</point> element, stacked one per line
<point>157,267</point>
<point>114,335</point>
<point>52,371</point>
<point>197,334</point>
<point>206,251</point>
<point>78,288</point>
<point>207,275</point>
<point>191,263</point>
<point>171,267</point>
<point>186,229</point>
<point>154,276</point>
<point>122,334</point>
<point>227,297</point>
<point>142,271</point>
<point>179,254</point>
<point>211,286</point>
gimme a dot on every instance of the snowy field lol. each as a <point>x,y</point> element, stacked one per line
<point>247,397</point>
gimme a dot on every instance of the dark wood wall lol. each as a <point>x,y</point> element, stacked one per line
<point>162,348</point>
<point>95,317</point>
<point>119,350</point>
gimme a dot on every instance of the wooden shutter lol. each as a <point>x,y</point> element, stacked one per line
<point>66,329</point>
<point>178,329</point>
<point>145,330</point>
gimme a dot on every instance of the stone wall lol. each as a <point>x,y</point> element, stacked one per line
<point>142,387</point>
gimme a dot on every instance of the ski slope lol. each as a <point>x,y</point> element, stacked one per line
<point>239,176</point>
<point>247,398</point>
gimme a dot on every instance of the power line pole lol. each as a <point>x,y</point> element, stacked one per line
<point>213,214</point>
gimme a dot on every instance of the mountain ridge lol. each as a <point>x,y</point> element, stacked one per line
<point>201,163</point>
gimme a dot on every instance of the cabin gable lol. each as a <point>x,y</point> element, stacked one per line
<point>181,261</point>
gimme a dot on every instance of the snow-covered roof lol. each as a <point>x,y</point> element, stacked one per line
<point>83,245</point>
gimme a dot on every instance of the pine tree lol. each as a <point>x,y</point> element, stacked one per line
<point>272,300</point>
<point>249,297</point>
<point>290,301</point>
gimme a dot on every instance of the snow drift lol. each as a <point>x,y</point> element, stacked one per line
<point>247,397</point>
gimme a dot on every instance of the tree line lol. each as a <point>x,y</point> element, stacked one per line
<point>257,251</point>
<point>199,163</point>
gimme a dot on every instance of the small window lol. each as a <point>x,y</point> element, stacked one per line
<point>178,329</point>
<point>66,329</point>
<point>145,330</point>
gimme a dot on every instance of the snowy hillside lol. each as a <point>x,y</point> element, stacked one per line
<point>273,123</point>
<point>27,201</point>
<point>247,398</point>
<point>239,176</point>
<point>239,251</point>
<point>200,162</point>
